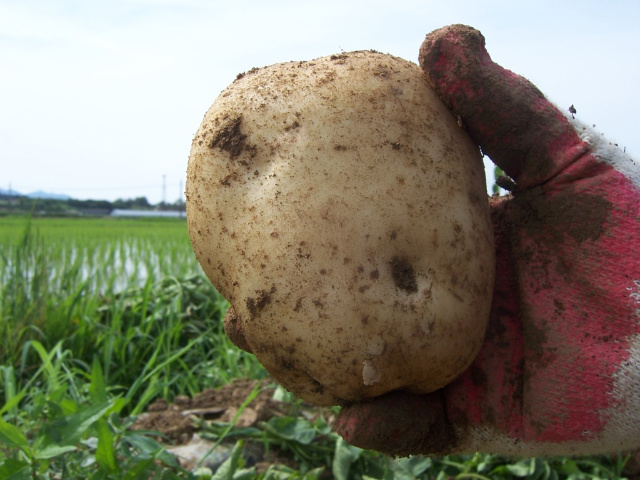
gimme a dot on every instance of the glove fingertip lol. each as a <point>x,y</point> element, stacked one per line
<point>398,424</point>
<point>504,113</point>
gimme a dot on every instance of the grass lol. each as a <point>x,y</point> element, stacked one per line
<point>128,293</point>
<point>99,317</point>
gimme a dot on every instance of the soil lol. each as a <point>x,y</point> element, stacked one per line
<point>230,138</point>
<point>403,275</point>
<point>177,423</point>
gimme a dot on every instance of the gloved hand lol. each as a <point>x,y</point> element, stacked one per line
<point>559,372</point>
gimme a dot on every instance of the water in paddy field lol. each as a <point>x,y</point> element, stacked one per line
<point>147,214</point>
<point>111,266</point>
<point>131,263</point>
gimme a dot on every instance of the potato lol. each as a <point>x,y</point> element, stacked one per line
<point>342,211</point>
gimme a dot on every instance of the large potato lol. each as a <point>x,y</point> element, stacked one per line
<point>342,211</point>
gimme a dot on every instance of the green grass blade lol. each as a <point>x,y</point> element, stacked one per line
<point>97,387</point>
<point>105,452</point>
<point>62,434</point>
<point>230,465</point>
<point>11,469</point>
<point>47,363</point>
<point>11,436</point>
<point>9,385</point>
<point>343,457</point>
<point>51,450</point>
<point>146,377</point>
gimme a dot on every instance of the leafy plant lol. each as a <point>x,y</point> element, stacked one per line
<point>64,434</point>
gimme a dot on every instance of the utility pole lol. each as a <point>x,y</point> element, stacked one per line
<point>164,191</point>
<point>181,193</point>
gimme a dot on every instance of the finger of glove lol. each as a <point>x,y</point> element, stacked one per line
<point>504,113</point>
<point>398,424</point>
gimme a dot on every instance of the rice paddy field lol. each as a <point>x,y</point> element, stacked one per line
<point>100,317</point>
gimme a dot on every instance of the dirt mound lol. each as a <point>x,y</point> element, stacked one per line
<point>180,424</point>
<point>176,421</point>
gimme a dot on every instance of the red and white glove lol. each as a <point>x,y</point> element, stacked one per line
<point>559,372</point>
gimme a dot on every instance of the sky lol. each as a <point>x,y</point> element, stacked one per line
<point>101,98</point>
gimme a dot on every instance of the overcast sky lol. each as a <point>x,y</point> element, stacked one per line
<point>101,98</point>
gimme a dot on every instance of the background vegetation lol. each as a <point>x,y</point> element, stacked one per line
<point>21,204</point>
<point>101,316</point>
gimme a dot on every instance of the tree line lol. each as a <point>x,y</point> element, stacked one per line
<point>50,206</point>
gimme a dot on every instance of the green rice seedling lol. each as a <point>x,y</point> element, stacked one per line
<point>129,299</point>
<point>25,277</point>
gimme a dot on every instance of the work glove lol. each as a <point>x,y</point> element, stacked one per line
<point>559,370</point>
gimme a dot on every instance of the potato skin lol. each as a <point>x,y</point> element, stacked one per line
<point>342,211</point>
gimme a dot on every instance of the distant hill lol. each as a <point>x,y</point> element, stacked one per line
<point>51,196</point>
<point>37,194</point>
<point>12,192</point>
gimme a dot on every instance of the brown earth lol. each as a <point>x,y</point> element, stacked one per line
<point>178,423</point>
